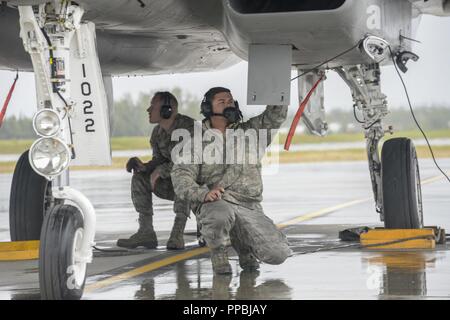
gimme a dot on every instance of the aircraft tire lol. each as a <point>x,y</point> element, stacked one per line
<point>402,196</point>
<point>61,277</point>
<point>28,201</point>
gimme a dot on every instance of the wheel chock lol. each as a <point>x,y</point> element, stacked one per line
<point>398,238</point>
<point>19,250</point>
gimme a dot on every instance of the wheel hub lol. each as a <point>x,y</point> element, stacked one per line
<point>79,266</point>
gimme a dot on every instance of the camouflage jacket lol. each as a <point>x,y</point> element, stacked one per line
<point>162,144</point>
<point>242,181</point>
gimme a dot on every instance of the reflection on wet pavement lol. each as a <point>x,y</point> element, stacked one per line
<point>199,285</point>
<point>401,274</point>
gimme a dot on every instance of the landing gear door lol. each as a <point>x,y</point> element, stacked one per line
<point>314,114</point>
<point>90,112</point>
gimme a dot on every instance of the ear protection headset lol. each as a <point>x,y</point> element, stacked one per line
<point>206,108</point>
<point>166,108</point>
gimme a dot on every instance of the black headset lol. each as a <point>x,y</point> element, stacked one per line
<point>166,108</point>
<point>206,108</point>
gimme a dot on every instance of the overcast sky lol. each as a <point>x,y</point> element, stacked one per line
<point>428,80</point>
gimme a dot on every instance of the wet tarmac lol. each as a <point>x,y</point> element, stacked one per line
<point>312,202</point>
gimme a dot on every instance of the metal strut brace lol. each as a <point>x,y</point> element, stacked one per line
<point>364,82</point>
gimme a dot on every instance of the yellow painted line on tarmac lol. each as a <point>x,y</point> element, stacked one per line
<point>146,268</point>
<point>434,179</point>
<point>199,251</point>
<point>321,212</point>
<point>19,255</point>
<point>19,250</point>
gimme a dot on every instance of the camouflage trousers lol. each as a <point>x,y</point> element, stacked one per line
<point>142,195</point>
<point>249,230</point>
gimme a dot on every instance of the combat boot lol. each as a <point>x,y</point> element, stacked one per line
<point>248,262</point>
<point>219,259</point>
<point>176,240</point>
<point>145,236</point>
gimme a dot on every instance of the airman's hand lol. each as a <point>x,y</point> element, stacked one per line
<point>135,164</point>
<point>214,195</point>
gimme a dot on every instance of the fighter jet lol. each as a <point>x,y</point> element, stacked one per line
<point>75,47</point>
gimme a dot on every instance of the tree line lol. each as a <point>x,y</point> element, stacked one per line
<point>129,117</point>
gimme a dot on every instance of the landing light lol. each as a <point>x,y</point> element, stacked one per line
<point>49,156</point>
<point>46,123</point>
<point>376,48</point>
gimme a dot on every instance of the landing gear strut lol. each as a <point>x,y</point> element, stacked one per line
<point>73,127</point>
<point>395,177</point>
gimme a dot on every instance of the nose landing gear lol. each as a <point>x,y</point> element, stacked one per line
<point>395,177</point>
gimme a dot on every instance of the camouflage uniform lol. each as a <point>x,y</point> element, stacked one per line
<point>141,190</point>
<point>238,216</point>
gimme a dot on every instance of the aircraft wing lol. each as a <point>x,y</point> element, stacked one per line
<point>138,37</point>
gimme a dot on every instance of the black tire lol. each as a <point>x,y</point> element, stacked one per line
<point>29,201</point>
<point>402,196</point>
<point>56,276</point>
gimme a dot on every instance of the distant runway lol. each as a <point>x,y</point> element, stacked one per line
<point>313,200</point>
<point>321,146</point>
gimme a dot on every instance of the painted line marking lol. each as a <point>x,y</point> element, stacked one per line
<point>321,212</point>
<point>19,250</point>
<point>146,268</point>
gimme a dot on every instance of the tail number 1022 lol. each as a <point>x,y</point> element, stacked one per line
<point>87,104</point>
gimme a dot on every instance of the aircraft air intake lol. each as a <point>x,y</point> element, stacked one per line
<point>276,6</point>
